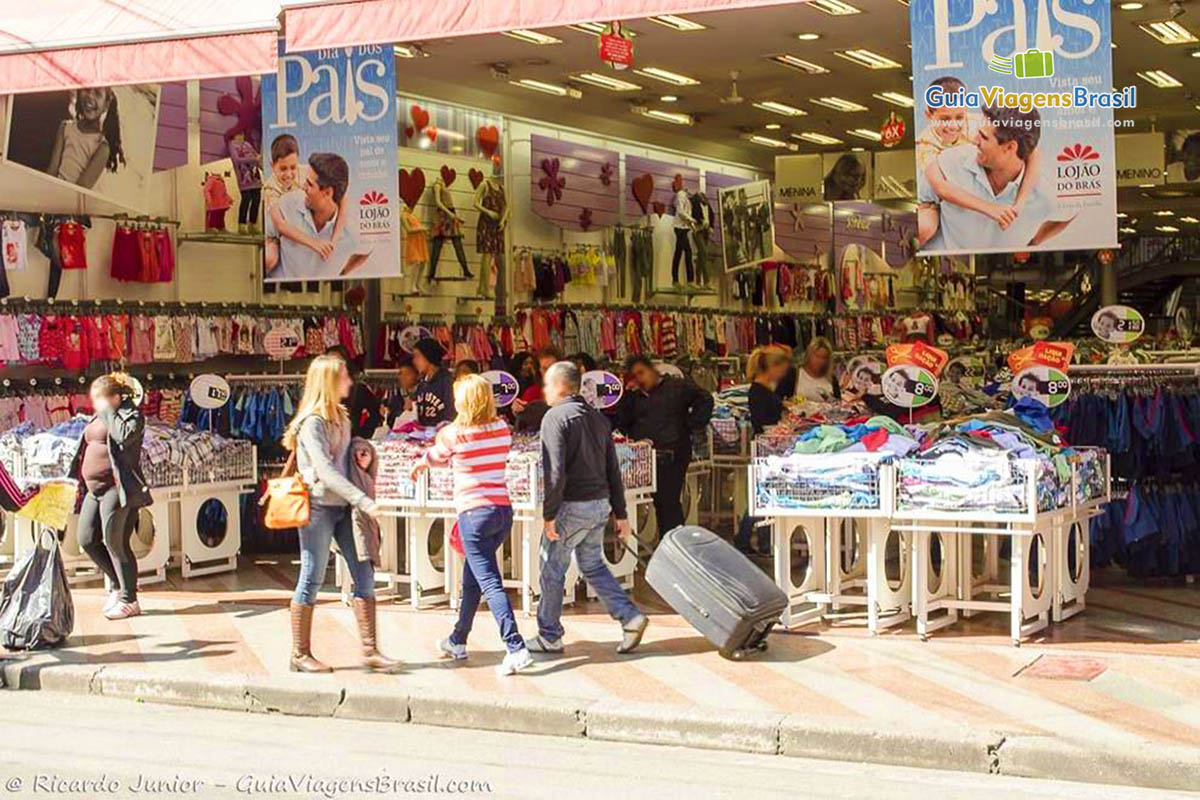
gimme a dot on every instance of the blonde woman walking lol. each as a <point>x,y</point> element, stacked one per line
<point>476,447</point>
<point>319,435</point>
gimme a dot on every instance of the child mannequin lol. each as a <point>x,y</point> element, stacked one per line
<point>492,206</point>
<point>447,225</point>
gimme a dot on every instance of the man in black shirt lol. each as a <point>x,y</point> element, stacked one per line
<point>365,409</point>
<point>583,487</point>
<point>667,411</point>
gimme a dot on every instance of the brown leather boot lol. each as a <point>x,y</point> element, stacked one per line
<point>364,614</point>
<point>302,658</point>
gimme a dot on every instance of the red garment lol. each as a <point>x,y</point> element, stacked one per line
<point>117,328</point>
<point>74,344</point>
<point>147,257</point>
<point>72,250</point>
<point>51,340</point>
<point>166,256</point>
<point>95,339</point>
<point>125,259</point>
<point>216,194</point>
<point>875,439</point>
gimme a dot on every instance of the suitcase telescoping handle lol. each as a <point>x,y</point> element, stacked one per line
<point>703,611</point>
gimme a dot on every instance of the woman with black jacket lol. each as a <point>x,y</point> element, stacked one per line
<point>108,463</point>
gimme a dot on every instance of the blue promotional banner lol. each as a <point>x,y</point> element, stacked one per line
<point>1013,125</point>
<point>329,174</point>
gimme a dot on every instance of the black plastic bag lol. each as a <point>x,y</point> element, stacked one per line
<point>36,610</point>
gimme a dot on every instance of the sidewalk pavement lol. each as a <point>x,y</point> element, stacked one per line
<point>1111,696</point>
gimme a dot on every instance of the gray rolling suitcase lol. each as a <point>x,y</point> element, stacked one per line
<point>717,589</point>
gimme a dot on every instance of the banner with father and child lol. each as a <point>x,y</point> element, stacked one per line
<point>330,165</point>
<point>1014,125</point>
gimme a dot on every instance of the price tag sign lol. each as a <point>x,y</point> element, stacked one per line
<point>413,334</point>
<point>909,386</point>
<point>601,389</point>
<point>1118,324</point>
<point>504,387</point>
<point>209,391</point>
<point>1049,386</point>
<point>282,343</point>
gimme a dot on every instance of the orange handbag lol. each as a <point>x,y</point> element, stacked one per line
<point>286,499</point>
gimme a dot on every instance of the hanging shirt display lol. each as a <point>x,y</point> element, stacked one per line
<point>15,244</point>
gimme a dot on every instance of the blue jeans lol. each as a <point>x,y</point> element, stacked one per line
<point>483,531</point>
<point>580,531</point>
<point>325,525</point>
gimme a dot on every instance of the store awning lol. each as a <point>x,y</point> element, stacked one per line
<point>385,21</point>
<point>66,44</point>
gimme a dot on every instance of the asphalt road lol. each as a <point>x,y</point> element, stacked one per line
<point>54,745</point>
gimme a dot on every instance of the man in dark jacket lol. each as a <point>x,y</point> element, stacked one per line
<point>583,487</point>
<point>667,411</point>
<point>434,395</point>
<point>366,411</point>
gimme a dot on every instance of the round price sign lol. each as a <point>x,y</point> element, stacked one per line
<point>413,334</point>
<point>209,391</point>
<point>909,387</point>
<point>601,389</point>
<point>281,343</point>
<point>504,387</point>
<point>1049,386</point>
<point>1118,324</point>
<point>139,393</point>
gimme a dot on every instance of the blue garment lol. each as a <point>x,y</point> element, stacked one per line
<point>483,531</point>
<point>327,524</point>
<point>580,531</point>
<point>1034,414</point>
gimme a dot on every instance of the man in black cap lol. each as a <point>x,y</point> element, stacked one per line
<point>434,395</point>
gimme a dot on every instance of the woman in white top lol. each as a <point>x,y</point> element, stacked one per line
<point>814,382</point>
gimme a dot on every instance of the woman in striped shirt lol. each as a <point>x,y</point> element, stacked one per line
<point>476,448</point>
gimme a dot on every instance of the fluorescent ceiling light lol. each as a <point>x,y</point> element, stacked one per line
<point>548,88</point>
<point>1166,228</point>
<point>838,104</point>
<point>834,8</point>
<point>669,98</point>
<point>772,126</point>
<point>532,37</point>
<point>808,37</point>
<point>1160,79</point>
<point>403,52</point>
<point>606,82</point>
<point>1192,220</point>
<point>895,98</point>
<point>1121,215</point>
<point>858,149</point>
<point>666,76</point>
<point>1169,32</point>
<point>767,141</point>
<point>799,64</point>
<point>674,117</point>
<point>780,108</point>
<point>868,58</point>
<point>1166,212</point>
<point>866,133</point>
<point>594,28</point>
<point>678,23</point>
<point>1132,6</point>
<point>817,138</point>
<point>1128,230</point>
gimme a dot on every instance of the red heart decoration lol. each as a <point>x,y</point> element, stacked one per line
<point>431,132</point>
<point>448,175</point>
<point>409,130</point>
<point>660,208</point>
<point>488,137</point>
<point>420,116</point>
<point>476,177</point>
<point>412,186</point>
<point>643,188</point>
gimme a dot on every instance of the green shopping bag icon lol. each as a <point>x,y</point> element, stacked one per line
<point>1034,63</point>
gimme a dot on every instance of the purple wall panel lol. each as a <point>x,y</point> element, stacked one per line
<point>802,231</point>
<point>579,169</point>
<point>212,123</point>
<point>663,173</point>
<point>875,227</point>
<point>170,142</point>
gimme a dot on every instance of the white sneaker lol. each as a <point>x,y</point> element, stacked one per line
<point>540,644</point>
<point>515,662</point>
<point>123,611</point>
<point>449,649</point>
<point>114,597</point>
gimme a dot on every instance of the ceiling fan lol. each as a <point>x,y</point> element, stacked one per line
<point>733,98</point>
